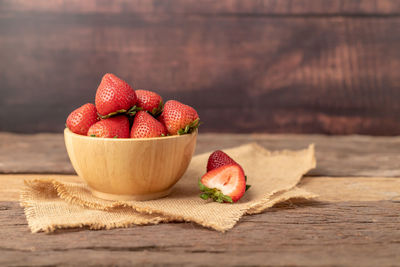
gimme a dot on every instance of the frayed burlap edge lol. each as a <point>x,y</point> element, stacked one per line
<point>283,196</point>
<point>61,192</point>
<point>37,227</point>
<point>27,203</point>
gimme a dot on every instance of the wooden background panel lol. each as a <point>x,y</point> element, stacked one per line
<point>192,7</point>
<point>319,71</point>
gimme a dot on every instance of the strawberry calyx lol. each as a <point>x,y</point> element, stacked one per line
<point>158,110</point>
<point>247,185</point>
<point>121,111</point>
<point>131,112</point>
<point>213,193</point>
<point>190,127</point>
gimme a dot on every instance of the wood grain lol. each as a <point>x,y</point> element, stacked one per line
<point>336,155</point>
<point>273,66</point>
<point>355,221</point>
<point>320,234</point>
<point>193,7</point>
<point>328,189</point>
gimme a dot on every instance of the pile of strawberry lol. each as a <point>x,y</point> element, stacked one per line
<point>122,112</point>
<point>224,181</point>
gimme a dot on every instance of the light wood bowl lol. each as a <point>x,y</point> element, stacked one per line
<point>130,169</point>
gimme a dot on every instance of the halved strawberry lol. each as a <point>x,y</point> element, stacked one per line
<point>149,101</point>
<point>145,126</point>
<point>80,120</point>
<point>219,158</point>
<point>223,184</point>
<point>114,127</point>
<point>114,96</point>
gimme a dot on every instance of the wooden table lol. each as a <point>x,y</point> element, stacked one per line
<point>354,222</point>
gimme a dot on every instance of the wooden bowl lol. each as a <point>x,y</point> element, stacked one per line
<point>130,169</point>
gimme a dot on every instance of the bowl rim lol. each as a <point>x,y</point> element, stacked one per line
<point>69,132</point>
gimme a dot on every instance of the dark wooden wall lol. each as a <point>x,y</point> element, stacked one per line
<point>300,66</point>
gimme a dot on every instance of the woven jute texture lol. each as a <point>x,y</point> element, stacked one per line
<point>51,204</point>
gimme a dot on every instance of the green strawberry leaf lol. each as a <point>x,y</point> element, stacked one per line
<point>202,186</point>
<point>158,110</point>
<point>112,114</point>
<point>93,135</point>
<point>115,136</point>
<point>180,132</point>
<point>133,110</point>
<point>204,196</point>
<point>227,199</point>
<point>213,193</point>
<point>206,189</point>
<point>190,127</point>
<point>247,187</point>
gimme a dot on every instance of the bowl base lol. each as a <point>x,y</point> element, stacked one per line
<point>115,197</point>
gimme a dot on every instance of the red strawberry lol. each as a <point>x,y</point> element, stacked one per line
<point>114,127</point>
<point>160,118</point>
<point>145,126</point>
<point>179,118</point>
<point>218,159</point>
<point>149,101</point>
<point>224,184</point>
<point>80,120</point>
<point>114,96</point>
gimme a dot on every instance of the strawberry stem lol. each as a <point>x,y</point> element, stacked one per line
<point>131,112</point>
<point>213,193</point>
<point>158,110</point>
<point>121,111</point>
<point>190,127</point>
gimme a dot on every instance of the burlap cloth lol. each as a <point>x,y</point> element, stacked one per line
<point>273,176</point>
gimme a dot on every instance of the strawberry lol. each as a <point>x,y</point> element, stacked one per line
<point>160,118</point>
<point>114,96</point>
<point>145,126</point>
<point>149,101</point>
<point>219,158</point>
<point>179,118</point>
<point>80,120</point>
<point>114,127</point>
<point>223,184</point>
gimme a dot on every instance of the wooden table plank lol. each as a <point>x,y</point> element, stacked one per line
<point>331,189</point>
<point>336,155</point>
<point>320,234</point>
